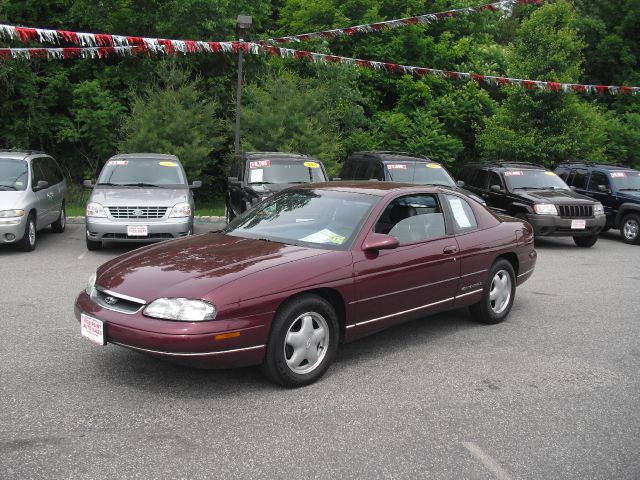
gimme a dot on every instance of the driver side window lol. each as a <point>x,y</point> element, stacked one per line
<point>412,218</point>
<point>597,179</point>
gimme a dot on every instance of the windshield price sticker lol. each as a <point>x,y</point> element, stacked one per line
<point>433,165</point>
<point>514,173</point>
<point>260,163</point>
<point>168,164</point>
<point>551,174</point>
<point>618,174</point>
<point>256,176</point>
<point>324,236</point>
<point>399,166</point>
<point>458,213</point>
<point>118,162</point>
<point>311,165</point>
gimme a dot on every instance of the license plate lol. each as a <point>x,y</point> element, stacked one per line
<point>92,329</point>
<point>578,224</point>
<point>137,230</point>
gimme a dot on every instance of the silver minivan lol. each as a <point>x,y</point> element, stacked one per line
<point>33,192</point>
<point>139,197</point>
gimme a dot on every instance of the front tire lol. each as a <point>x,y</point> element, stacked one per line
<point>499,293</point>
<point>630,229</point>
<point>28,242</point>
<point>59,225</point>
<point>303,342</point>
<point>586,242</point>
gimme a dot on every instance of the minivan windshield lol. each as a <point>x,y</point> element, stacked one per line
<point>14,174</point>
<point>284,171</point>
<point>534,180</point>
<point>319,218</point>
<point>419,173</point>
<point>626,180</point>
<point>142,172</point>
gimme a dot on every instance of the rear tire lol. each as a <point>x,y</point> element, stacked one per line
<point>59,225</point>
<point>303,342</point>
<point>630,229</point>
<point>586,242</point>
<point>499,293</point>
<point>29,239</point>
<point>93,246</point>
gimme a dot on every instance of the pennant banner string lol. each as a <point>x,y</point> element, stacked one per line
<point>260,49</point>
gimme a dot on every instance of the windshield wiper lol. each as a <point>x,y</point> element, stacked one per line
<point>299,181</point>
<point>629,189</point>
<point>141,184</point>
<point>9,187</point>
<point>260,183</point>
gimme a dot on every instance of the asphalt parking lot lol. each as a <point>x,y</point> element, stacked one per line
<point>552,393</point>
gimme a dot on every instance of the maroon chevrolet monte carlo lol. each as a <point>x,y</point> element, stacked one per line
<point>311,267</point>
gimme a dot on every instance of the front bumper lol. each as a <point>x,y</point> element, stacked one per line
<point>187,343</point>
<point>106,229</point>
<point>555,226</point>
<point>12,227</point>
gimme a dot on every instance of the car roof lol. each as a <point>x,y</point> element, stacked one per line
<point>19,154</point>
<point>155,156</point>
<point>507,165</point>
<point>390,155</point>
<point>372,187</point>
<point>603,166</point>
<point>284,155</point>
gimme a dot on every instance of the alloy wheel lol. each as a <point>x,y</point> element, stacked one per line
<point>306,342</point>
<point>500,292</point>
<point>630,229</point>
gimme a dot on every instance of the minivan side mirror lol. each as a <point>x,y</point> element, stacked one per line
<point>496,188</point>
<point>460,183</point>
<point>87,184</point>
<point>196,184</point>
<point>603,188</point>
<point>41,185</point>
<point>572,188</point>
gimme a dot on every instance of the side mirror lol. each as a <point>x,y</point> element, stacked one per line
<point>380,241</point>
<point>603,188</point>
<point>460,183</point>
<point>87,184</point>
<point>572,188</point>
<point>196,184</point>
<point>496,188</point>
<point>41,185</point>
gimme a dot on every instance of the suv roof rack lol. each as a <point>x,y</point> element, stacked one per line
<point>594,164</point>
<point>279,154</point>
<point>508,163</point>
<point>393,152</point>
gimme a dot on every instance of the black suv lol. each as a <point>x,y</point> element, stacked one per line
<point>401,167</point>
<point>258,175</point>
<point>616,187</point>
<point>532,193</point>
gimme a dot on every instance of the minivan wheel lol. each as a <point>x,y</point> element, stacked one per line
<point>586,242</point>
<point>631,229</point>
<point>303,342</point>
<point>59,225</point>
<point>499,293</point>
<point>91,245</point>
<point>28,242</point>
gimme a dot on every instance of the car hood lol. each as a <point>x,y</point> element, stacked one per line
<point>631,195</point>
<point>139,197</point>
<point>11,199</point>
<point>194,266</point>
<point>566,197</point>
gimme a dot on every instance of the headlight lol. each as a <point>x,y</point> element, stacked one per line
<point>95,210</point>
<point>545,209</point>
<point>182,309</point>
<point>181,210</point>
<point>11,213</point>
<point>91,283</point>
<point>598,209</point>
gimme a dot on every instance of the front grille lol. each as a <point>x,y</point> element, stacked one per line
<point>137,212</point>
<point>117,302</point>
<point>575,211</point>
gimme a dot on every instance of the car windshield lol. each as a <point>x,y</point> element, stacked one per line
<point>315,218</point>
<point>419,173</point>
<point>14,174</point>
<point>627,180</point>
<point>284,171</point>
<point>142,172</point>
<point>534,180</point>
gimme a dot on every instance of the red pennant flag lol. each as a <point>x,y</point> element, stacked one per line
<point>602,88</point>
<point>26,34</point>
<point>477,77</point>
<point>139,41</point>
<point>579,88</point>
<point>363,63</point>
<point>192,46</point>
<point>555,86</point>
<point>71,52</point>
<point>39,53</point>
<point>502,81</point>
<point>70,37</point>
<point>451,75</point>
<point>411,21</point>
<point>626,90</point>
<point>167,44</point>
<point>103,40</point>
<point>5,53</point>
<point>529,84</point>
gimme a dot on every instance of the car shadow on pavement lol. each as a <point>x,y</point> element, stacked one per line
<point>130,369</point>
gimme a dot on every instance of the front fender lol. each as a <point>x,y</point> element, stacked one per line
<point>624,209</point>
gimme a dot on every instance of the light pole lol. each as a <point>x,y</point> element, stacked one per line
<point>244,23</point>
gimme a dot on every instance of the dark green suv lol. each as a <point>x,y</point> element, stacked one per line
<point>616,187</point>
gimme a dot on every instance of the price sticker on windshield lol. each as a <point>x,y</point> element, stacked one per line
<point>168,164</point>
<point>433,165</point>
<point>311,165</point>
<point>618,174</point>
<point>118,162</point>
<point>399,166</point>
<point>260,164</point>
<point>514,173</point>
<point>551,174</point>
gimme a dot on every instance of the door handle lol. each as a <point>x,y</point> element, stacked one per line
<point>450,250</point>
